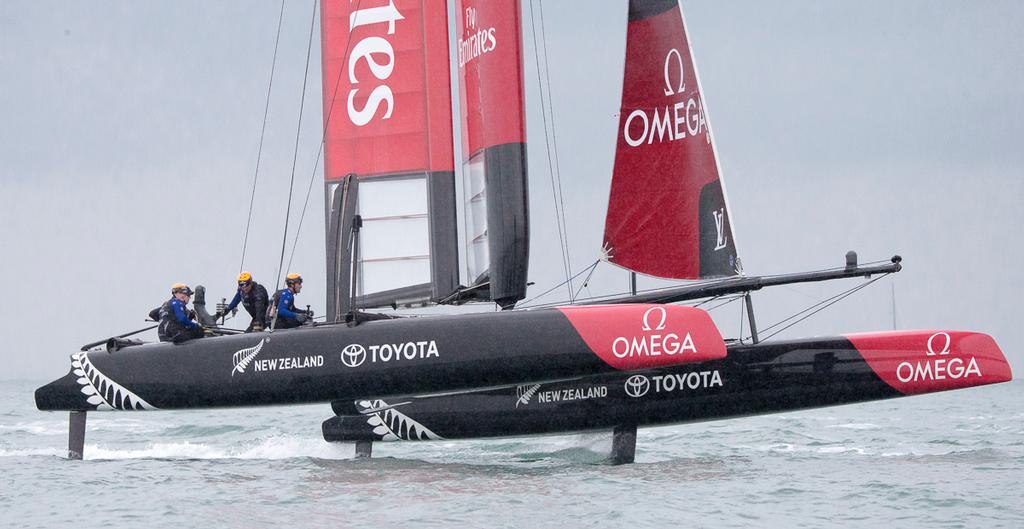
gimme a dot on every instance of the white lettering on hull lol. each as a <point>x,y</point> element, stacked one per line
<point>354,355</point>
<point>935,367</point>
<point>403,351</point>
<point>639,385</point>
<point>939,369</point>
<point>288,362</point>
<point>652,345</point>
<point>572,394</point>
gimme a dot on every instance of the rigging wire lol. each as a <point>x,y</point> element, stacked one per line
<point>525,304</point>
<point>812,307</point>
<point>295,156</point>
<point>722,304</point>
<point>554,141</point>
<point>549,139</point>
<point>587,280</point>
<point>323,139</point>
<point>823,305</point>
<point>263,129</point>
<point>706,301</point>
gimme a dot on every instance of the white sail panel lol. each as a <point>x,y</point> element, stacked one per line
<point>478,254</point>
<point>394,243</point>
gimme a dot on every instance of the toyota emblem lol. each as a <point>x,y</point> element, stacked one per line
<point>353,355</point>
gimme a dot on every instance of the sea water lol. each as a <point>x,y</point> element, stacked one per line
<point>953,459</point>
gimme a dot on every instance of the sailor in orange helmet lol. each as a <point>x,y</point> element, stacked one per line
<point>253,296</point>
<point>284,300</point>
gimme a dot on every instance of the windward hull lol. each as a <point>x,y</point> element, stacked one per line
<point>384,357</point>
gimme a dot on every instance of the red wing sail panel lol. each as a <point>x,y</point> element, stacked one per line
<point>388,120</point>
<point>494,145</point>
<point>667,212</point>
<point>387,107</point>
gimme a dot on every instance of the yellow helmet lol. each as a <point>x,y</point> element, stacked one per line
<point>181,288</point>
<point>292,279</point>
<point>244,277</point>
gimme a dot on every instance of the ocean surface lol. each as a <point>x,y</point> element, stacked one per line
<point>952,459</point>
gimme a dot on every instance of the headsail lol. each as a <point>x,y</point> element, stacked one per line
<point>387,116</point>
<point>667,212</point>
<point>494,146</point>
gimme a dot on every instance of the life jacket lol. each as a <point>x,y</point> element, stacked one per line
<point>169,325</point>
<point>256,303</point>
<point>283,322</point>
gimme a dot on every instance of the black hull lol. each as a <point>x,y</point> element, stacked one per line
<point>752,380</point>
<point>384,357</point>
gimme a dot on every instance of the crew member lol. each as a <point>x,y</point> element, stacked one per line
<point>253,297</point>
<point>287,315</point>
<point>175,325</point>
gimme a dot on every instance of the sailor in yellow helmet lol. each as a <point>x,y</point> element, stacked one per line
<point>287,315</point>
<point>253,296</point>
<point>175,325</point>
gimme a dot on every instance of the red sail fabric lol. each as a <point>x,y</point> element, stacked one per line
<point>667,213</point>
<point>491,81</point>
<point>387,98</point>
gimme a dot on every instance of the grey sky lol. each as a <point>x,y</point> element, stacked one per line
<point>129,136</point>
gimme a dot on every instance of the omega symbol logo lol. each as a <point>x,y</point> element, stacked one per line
<point>637,386</point>
<point>659,316</point>
<point>932,343</point>
<point>353,355</point>
<point>668,82</point>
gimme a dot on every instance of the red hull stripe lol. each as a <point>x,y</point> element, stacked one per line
<point>629,337</point>
<point>386,69</point>
<point>914,362</point>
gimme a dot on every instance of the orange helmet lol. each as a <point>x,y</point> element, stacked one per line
<point>181,288</point>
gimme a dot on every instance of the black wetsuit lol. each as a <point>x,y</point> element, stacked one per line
<point>255,303</point>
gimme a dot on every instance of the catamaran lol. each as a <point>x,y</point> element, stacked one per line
<point>392,211</point>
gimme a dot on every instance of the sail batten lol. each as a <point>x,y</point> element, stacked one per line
<point>667,212</point>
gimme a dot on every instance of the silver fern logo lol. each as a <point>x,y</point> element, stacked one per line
<point>102,391</point>
<point>393,425</point>
<point>525,393</point>
<point>243,357</point>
